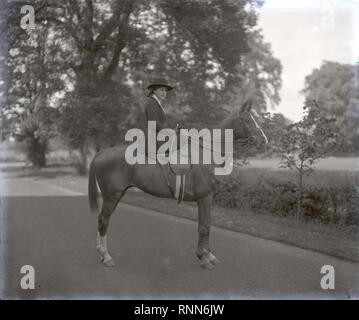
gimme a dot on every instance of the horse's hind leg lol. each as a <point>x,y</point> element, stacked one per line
<point>108,206</point>
<point>207,258</point>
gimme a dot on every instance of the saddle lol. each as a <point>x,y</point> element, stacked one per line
<point>178,162</point>
<point>178,157</point>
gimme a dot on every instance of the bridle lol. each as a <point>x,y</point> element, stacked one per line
<point>251,139</point>
<point>243,141</point>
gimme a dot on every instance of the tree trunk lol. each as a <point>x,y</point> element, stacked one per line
<point>82,165</point>
<point>40,160</point>
<point>300,192</point>
<point>36,152</point>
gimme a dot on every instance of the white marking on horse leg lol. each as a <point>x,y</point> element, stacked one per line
<point>208,256</point>
<point>102,248</point>
<point>213,258</point>
<point>98,242</point>
<point>101,244</point>
<point>205,261</point>
<point>178,186</point>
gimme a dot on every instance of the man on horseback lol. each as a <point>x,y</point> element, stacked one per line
<point>113,174</point>
<point>154,110</point>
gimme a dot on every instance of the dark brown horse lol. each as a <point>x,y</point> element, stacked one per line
<point>114,176</point>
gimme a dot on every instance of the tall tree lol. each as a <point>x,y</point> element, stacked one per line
<point>29,83</point>
<point>336,88</point>
<point>260,75</point>
<point>118,43</point>
<point>114,48</point>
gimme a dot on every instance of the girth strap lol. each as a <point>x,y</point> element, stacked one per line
<point>168,183</point>
<point>180,185</point>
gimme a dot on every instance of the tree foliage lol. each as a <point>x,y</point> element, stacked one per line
<point>335,87</point>
<point>260,75</point>
<point>29,85</point>
<point>101,55</point>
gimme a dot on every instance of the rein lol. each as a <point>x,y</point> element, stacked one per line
<point>243,141</point>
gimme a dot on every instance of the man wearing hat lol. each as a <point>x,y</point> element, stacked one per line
<point>154,110</point>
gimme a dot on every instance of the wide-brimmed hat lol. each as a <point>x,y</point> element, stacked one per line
<point>159,83</point>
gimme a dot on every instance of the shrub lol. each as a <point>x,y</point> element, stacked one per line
<point>333,204</point>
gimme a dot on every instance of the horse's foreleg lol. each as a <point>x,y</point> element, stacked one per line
<point>207,258</point>
<point>103,221</point>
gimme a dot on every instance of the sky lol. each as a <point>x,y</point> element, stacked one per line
<point>302,34</point>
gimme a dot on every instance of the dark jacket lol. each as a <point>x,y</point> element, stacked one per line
<point>154,112</point>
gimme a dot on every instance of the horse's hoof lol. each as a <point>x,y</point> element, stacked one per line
<point>109,263</point>
<point>213,259</point>
<point>207,265</point>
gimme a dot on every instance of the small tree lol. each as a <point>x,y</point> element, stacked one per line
<point>300,145</point>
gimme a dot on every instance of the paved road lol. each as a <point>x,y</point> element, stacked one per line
<point>52,229</point>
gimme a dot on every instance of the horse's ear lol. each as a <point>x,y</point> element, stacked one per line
<point>249,106</point>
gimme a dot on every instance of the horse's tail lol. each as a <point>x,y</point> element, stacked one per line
<point>92,187</point>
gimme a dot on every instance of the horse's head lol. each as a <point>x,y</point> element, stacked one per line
<point>246,128</point>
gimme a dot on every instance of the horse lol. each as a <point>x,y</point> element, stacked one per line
<point>110,172</point>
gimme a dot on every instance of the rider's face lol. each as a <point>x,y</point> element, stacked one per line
<point>161,93</point>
